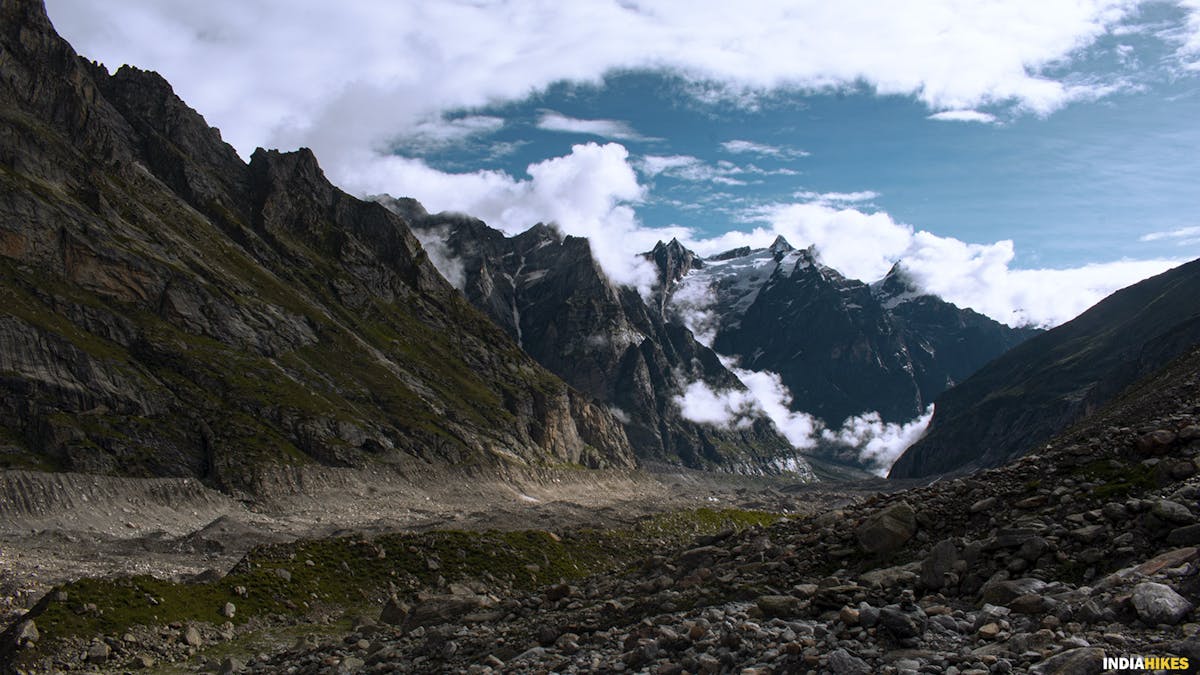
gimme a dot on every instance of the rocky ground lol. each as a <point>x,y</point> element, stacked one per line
<point>1084,549</point>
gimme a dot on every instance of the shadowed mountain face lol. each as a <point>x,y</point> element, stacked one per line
<point>168,309</point>
<point>551,296</point>
<point>842,347</point>
<point>1040,388</point>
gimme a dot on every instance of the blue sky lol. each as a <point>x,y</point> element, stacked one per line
<point>1024,158</point>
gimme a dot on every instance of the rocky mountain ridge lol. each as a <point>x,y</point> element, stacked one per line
<point>169,309</point>
<point>1047,384</point>
<point>548,292</point>
<point>842,347</point>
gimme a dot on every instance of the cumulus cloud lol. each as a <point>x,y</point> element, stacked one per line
<point>352,75</point>
<point>877,443</point>
<point>588,193</point>
<point>964,116</point>
<point>764,396</point>
<point>616,129</point>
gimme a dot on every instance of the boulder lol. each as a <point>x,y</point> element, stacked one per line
<point>1159,604</point>
<point>887,530</point>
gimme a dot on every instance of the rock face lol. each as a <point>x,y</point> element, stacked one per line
<point>550,295</point>
<point>171,310</point>
<point>1159,603</point>
<point>842,347</point>
<point>1043,386</point>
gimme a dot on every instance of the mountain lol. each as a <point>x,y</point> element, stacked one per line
<point>1043,386</point>
<point>168,309</point>
<point>841,346</point>
<point>548,292</point>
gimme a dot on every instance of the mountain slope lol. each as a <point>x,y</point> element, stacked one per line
<point>1038,389</point>
<point>551,296</point>
<point>168,309</point>
<point>842,347</point>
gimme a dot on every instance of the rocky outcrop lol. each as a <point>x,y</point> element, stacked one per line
<point>171,310</point>
<point>551,296</point>
<point>1043,386</point>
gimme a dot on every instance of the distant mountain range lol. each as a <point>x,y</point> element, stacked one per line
<point>1040,388</point>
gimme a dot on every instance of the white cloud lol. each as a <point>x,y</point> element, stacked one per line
<point>441,132</point>
<point>616,129</point>
<point>588,193</point>
<point>1182,236</point>
<point>764,396</point>
<point>879,444</point>
<point>964,116</point>
<point>741,146</point>
<point>434,243</point>
<point>347,77</point>
<point>835,198</point>
<point>689,168</point>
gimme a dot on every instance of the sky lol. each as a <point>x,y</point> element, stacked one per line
<point>1023,158</point>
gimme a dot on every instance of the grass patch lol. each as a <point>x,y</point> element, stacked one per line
<point>353,573</point>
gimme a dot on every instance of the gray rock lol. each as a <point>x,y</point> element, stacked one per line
<point>1079,661</point>
<point>27,632</point>
<point>1172,512</point>
<point>98,653</point>
<point>887,530</point>
<point>191,637</point>
<point>842,662</point>
<point>1158,604</point>
<point>394,612</point>
<point>1004,592</point>
<point>938,564</point>
<point>230,666</point>
<point>903,622</point>
<point>782,606</point>
<point>228,610</point>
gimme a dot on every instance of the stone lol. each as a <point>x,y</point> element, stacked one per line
<point>985,504</point>
<point>782,606</point>
<point>351,664</point>
<point>938,564</point>
<point>887,530</point>
<point>191,637</point>
<point>98,653</point>
<point>903,622</point>
<point>1183,536</point>
<point>1078,661</point>
<point>283,574</point>
<point>230,666</point>
<point>1167,560</point>
<point>395,612</point>
<point>1159,604</point>
<point>1156,441</point>
<point>989,631</point>
<point>228,610</point>
<point>1172,512</point>
<point>1004,592</point>
<point>27,632</point>
<point>143,662</point>
<point>842,662</point>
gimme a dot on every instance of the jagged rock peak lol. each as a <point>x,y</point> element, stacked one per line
<point>405,207</point>
<point>781,245</point>
<point>542,232</point>
<point>673,260</point>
